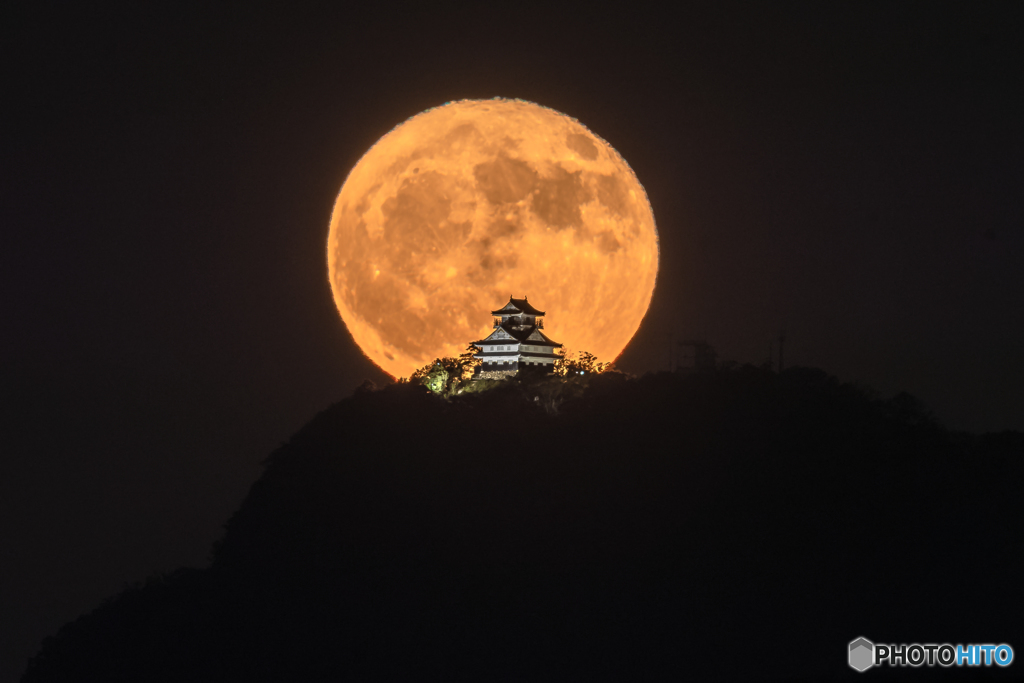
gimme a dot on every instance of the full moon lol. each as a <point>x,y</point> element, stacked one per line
<point>465,205</point>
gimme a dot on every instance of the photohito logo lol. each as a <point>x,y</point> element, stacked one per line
<point>863,654</point>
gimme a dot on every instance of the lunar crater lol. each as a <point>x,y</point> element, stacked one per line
<point>582,145</point>
<point>505,180</point>
<point>559,196</point>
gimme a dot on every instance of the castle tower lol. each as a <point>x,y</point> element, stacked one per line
<point>516,343</point>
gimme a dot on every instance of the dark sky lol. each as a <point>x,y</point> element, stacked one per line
<point>854,177</point>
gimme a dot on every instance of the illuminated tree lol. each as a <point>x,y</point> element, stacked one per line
<point>582,363</point>
<point>444,375</point>
<point>433,376</point>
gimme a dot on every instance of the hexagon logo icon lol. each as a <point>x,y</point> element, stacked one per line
<point>862,654</point>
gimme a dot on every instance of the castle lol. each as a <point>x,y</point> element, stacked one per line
<point>516,342</point>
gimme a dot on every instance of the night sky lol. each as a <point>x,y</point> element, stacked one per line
<point>851,177</point>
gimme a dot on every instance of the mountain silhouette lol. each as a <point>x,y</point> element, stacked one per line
<point>730,525</point>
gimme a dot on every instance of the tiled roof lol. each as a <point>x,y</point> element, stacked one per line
<point>521,335</point>
<point>514,306</point>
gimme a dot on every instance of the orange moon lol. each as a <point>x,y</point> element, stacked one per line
<point>467,204</point>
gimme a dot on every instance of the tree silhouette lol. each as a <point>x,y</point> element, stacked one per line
<point>582,363</point>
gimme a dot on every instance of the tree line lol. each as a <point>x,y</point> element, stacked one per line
<point>444,376</point>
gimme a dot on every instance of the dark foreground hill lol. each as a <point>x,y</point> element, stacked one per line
<point>735,525</point>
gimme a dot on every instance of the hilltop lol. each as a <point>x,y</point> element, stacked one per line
<point>737,524</point>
